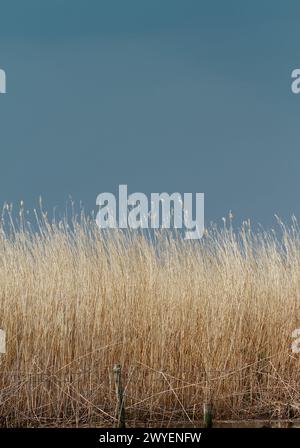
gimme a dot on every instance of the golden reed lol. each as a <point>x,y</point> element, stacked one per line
<point>188,321</point>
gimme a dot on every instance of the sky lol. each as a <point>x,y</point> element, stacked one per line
<point>187,96</point>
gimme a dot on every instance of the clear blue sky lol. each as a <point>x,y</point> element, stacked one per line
<point>162,95</point>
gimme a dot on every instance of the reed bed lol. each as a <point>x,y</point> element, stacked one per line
<point>188,321</point>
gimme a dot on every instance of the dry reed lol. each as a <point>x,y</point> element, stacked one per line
<point>188,321</point>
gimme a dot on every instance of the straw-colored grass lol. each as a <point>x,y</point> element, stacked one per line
<point>188,321</point>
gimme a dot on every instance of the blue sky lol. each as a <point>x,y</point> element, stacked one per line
<point>163,96</point>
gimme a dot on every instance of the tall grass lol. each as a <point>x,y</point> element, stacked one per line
<point>188,321</point>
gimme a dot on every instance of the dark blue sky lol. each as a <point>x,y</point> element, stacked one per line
<point>162,95</point>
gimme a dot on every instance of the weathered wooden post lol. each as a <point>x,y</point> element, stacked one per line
<point>207,415</point>
<point>120,397</point>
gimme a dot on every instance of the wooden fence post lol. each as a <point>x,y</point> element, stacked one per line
<point>207,415</point>
<point>120,397</point>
